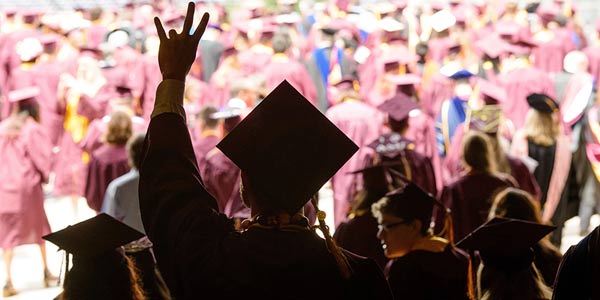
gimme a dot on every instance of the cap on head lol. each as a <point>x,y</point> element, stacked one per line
<point>287,148</point>
<point>29,93</point>
<point>93,237</point>
<point>506,243</point>
<point>412,202</point>
<point>542,103</point>
<point>462,75</point>
<point>486,120</point>
<point>399,107</point>
<point>374,177</point>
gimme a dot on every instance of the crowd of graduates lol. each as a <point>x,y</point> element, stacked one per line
<point>457,137</point>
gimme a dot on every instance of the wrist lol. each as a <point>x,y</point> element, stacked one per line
<point>174,76</point>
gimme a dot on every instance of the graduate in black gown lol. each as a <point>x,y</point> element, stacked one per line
<point>421,266</point>
<point>286,150</point>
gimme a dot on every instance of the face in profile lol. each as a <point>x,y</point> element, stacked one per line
<point>396,235</point>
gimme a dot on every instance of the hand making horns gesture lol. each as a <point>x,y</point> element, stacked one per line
<point>178,51</point>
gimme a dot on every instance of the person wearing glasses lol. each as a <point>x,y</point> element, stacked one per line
<point>422,265</point>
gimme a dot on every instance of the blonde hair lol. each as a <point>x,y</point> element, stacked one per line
<point>478,153</point>
<point>541,128</point>
<point>119,128</point>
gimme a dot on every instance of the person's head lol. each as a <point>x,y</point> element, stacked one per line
<point>478,152</point>
<point>541,127</point>
<point>119,128</point>
<point>404,217</point>
<point>515,204</point>
<point>575,62</point>
<point>109,276</point>
<point>206,122</point>
<point>525,284</point>
<point>134,148</point>
<point>399,110</point>
<point>281,42</point>
<point>24,102</point>
<point>245,89</point>
<point>96,13</point>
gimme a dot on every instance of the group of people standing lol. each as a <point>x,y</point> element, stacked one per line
<point>467,119</point>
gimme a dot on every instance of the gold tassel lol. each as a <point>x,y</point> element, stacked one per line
<point>470,280</point>
<point>449,228</point>
<point>333,248</point>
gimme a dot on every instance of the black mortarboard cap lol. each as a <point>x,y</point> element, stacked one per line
<point>93,237</point>
<point>287,148</point>
<point>506,243</point>
<point>399,107</point>
<point>542,103</point>
<point>412,202</point>
<point>390,145</point>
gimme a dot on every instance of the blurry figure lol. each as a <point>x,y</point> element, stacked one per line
<point>358,234</point>
<point>25,151</point>
<point>121,201</point>
<point>517,204</point>
<point>362,124</point>
<point>422,265</point>
<point>470,206</point>
<point>207,135</point>
<point>100,268</point>
<point>542,141</point>
<point>507,269</point>
<point>109,161</point>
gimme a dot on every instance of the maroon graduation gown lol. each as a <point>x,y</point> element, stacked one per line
<point>196,246</point>
<point>107,163</point>
<point>47,75</point>
<point>25,152</point>
<point>202,146</point>
<point>282,67</point>
<point>470,198</point>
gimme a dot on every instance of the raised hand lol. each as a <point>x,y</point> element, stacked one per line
<point>177,52</point>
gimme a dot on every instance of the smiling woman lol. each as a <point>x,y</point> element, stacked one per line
<point>422,266</point>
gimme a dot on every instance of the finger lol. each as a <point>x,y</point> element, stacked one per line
<point>159,29</point>
<point>201,27</point>
<point>172,34</point>
<point>189,18</point>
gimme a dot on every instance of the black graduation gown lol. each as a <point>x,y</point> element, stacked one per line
<point>358,235</point>
<point>201,256</point>
<point>421,275</point>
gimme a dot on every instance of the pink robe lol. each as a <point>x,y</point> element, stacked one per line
<point>362,124</point>
<point>25,154</point>
<point>549,56</point>
<point>422,132</point>
<point>106,164</point>
<point>295,73</point>
<point>438,89</point>
<point>202,146</point>
<point>47,76</point>
<point>593,55</point>
<point>560,171</point>
<point>152,77</point>
<point>519,84</point>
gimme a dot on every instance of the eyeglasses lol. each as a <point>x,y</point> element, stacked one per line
<point>387,227</point>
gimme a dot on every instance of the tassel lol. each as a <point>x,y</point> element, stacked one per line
<point>449,228</point>
<point>470,280</point>
<point>333,248</point>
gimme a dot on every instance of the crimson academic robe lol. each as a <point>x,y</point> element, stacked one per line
<point>438,89</point>
<point>152,77</point>
<point>362,124</point>
<point>21,77</point>
<point>202,146</point>
<point>197,247</point>
<point>593,55</point>
<point>358,235</point>
<point>421,274</point>
<point>282,67</point>
<point>106,164</point>
<point>519,84</point>
<point>222,180</point>
<point>25,152</point>
<point>470,198</point>
<point>421,131</point>
<point>548,56</point>
<point>47,75</point>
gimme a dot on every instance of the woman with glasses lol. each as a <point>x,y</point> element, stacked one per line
<point>422,265</point>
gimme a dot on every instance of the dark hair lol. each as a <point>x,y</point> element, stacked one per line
<point>31,108</point>
<point>205,114</point>
<point>525,284</point>
<point>389,206</point>
<point>134,146</point>
<point>119,128</point>
<point>364,199</point>
<point>399,126</point>
<point>109,276</point>
<point>477,152</point>
<point>95,13</point>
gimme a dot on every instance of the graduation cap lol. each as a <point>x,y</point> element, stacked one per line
<point>28,93</point>
<point>390,145</point>
<point>404,79</point>
<point>486,120</point>
<point>542,103</point>
<point>462,75</point>
<point>504,243</point>
<point>374,177</point>
<point>399,107</point>
<point>287,148</point>
<point>548,12</point>
<point>93,237</point>
<point>492,46</point>
<point>347,83</point>
<point>28,49</point>
<point>491,93</point>
<point>442,20</point>
<point>412,202</point>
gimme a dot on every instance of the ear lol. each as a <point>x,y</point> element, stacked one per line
<point>416,225</point>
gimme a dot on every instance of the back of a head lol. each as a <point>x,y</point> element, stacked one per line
<point>515,204</point>
<point>281,42</point>
<point>542,128</point>
<point>109,276</point>
<point>205,116</point>
<point>525,284</point>
<point>477,152</point>
<point>135,147</point>
<point>119,128</point>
